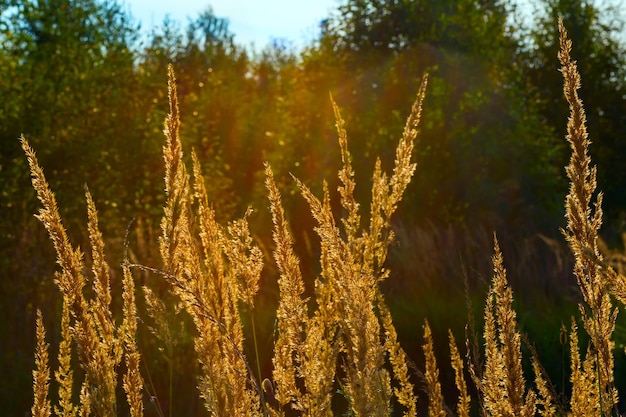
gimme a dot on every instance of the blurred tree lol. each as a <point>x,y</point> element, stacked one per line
<point>214,87</point>
<point>70,79</point>
<point>484,152</point>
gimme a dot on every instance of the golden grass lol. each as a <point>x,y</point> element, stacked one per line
<point>583,224</point>
<point>132,380</point>
<point>343,340</point>
<point>65,375</point>
<point>503,386</point>
<point>435,397</point>
<point>98,348</point>
<point>464,402</point>
<point>41,374</point>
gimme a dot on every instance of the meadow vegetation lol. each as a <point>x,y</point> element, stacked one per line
<point>336,350</point>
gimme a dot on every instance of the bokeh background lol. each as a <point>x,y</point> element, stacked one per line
<point>86,84</point>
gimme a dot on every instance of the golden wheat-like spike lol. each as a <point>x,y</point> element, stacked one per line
<point>581,230</point>
<point>387,191</point>
<point>464,402</point>
<point>97,354</point>
<point>107,352</point>
<point>291,314</point>
<point>367,384</point>
<point>503,356</point>
<point>216,289</point>
<point>351,270</point>
<point>584,400</point>
<point>491,385</point>
<point>583,225</point>
<point>245,259</point>
<point>172,152</point>
<point>545,399</point>
<point>435,397</point>
<point>85,400</point>
<point>346,176</point>
<point>64,375</point>
<point>132,380</point>
<point>205,282</point>
<point>71,281</point>
<point>397,357</point>
<point>100,306</point>
<point>403,168</point>
<point>509,336</point>
<point>100,268</point>
<point>133,383</point>
<point>175,240</point>
<point>41,374</point>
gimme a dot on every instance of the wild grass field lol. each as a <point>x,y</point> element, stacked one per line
<point>336,349</point>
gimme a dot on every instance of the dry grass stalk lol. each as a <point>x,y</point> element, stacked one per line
<point>85,401</point>
<point>132,380</point>
<point>348,295</point>
<point>211,269</point>
<point>464,402</point>
<point>503,386</point>
<point>291,315</point>
<point>101,306</point>
<point>404,392</point>
<point>93,332</point>
<point>545,397</point>
<point>41,374</point>
<point>585,399</point>
<point>305,349</point>
<point>367,384</point>
<point>435,397</point>
<point>107,355</point>
<point>64,375</point>
<point>583,223</point>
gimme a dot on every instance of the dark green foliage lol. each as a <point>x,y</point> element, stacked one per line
<point>486,155</point>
